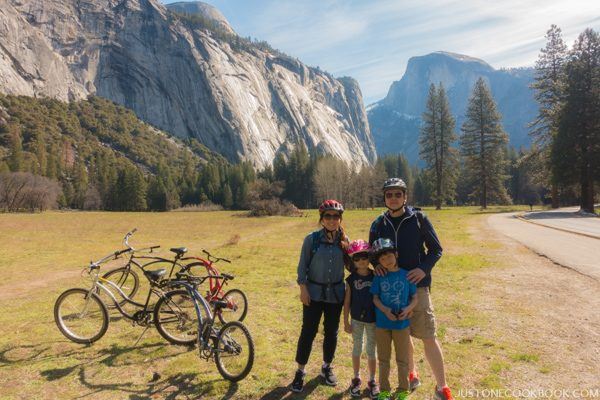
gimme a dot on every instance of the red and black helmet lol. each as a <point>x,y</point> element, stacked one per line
<point>331,205</point>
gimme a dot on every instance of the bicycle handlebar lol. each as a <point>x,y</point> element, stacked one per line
<point>213,258</point>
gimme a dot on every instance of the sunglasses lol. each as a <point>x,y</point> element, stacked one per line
<point>335,217</point>
<point>359,257</point>
<point>397,195</point>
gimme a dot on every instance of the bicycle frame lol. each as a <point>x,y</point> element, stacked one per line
<point>99,283</point>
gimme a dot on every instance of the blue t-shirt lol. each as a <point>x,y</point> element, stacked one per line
<point>394,291</point>
<point>361,299</point>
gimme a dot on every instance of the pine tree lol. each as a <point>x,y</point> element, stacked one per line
<point>227,196</point>
<point>482,146</point>
<point>549,93</point>
<point>437,135</point>
<point>15,161</point>
<point>576,148</point>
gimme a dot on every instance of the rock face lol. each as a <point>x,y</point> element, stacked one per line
<point>202,9</point>
<point>395,120</point>
<point>240,100</point>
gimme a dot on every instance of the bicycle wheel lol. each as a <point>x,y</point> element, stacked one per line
<point>176,319</point>
<point>237,306</point>
<point>234,352</point>
<point>81,316</point>
<point>126,279</point>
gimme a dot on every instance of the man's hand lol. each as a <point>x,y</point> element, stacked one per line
<point>380,271</point>
<point>304,295</point>
<point>415,275</point>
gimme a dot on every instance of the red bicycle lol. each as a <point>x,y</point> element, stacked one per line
<point>237,302</point>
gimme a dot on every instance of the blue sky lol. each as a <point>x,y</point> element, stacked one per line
<point>372,40</point>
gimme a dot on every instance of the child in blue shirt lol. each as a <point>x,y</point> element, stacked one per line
<point>394,299</point>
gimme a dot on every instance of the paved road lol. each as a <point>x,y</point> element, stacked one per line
<point>567,218</point>
<point>580,253</point>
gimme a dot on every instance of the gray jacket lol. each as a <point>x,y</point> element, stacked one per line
<point>324,274</point>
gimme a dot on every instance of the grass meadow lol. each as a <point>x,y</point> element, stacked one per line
<point>42,255</point>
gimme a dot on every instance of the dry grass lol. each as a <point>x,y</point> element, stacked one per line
<point>42,255</point>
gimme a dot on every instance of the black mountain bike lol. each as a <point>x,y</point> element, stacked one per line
<point>231,346</point>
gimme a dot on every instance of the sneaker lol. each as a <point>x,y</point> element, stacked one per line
<point>402,395</point>
<point>327,373</point>
<point>355,387</point>
<point>385,395</point>
<point>413,381</point>
<point>373,389</point>
<point>443,394</point>
<point>298,383</point>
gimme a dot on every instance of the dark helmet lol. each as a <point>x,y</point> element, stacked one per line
<point>394,183</point>
<point>380,246</point>
<point>331,205</point>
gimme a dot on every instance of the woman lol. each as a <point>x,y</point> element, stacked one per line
<point>321,281</point>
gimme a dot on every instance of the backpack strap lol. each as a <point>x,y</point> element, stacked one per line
<point>315,244</point>
<point>420,220</point>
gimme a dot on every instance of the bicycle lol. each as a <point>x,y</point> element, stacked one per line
<point>237,302</point>
<point>225,345</point>
<point>82,316</point>
<point>126,278</point>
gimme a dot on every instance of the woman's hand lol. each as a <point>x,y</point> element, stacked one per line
<point>347,327</point>
<point>304,295</point>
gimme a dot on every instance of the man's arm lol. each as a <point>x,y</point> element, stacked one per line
<point>433,246</point>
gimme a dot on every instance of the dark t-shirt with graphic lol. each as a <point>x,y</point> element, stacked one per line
<point>361,299</point>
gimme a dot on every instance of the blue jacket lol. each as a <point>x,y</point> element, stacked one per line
<point>323,271</point>
<point>418,247</point>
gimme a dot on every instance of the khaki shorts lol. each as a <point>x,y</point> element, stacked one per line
<point>422,323</point>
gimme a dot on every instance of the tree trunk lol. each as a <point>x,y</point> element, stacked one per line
<point>555,196</point>
<point>587,192</point>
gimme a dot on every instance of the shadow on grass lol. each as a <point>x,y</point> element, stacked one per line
<point>283,392</point>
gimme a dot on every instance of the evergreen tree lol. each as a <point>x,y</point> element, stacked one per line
<point>15,161</point>
<point>227,196</point>
<point>576,148</point>
<point>549,93</point>
<point>437,135</point>
<point>482,146</point>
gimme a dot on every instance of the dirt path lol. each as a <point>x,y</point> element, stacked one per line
<point>550,309</point>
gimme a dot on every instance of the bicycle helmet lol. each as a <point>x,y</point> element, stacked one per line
<point>331,205</point>
<point>379,247</point>
<point>394,183</point>
<point>357,246</point>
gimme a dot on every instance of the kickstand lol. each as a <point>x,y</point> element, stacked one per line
<point>140,338</point>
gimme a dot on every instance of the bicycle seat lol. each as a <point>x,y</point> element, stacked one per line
<point>155,275</point>
<point>220,304</point>
<point>179,250</point>
<point>227,276</point>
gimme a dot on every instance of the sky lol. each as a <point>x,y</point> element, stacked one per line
<point>372,40</point>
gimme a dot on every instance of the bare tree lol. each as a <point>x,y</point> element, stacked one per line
<point>22,191</point>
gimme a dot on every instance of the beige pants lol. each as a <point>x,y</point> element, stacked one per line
<point>384,339</point>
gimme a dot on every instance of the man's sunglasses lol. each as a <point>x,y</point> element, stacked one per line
<point>335,217</point>
<point>397,195</point>
<point>359,257</point>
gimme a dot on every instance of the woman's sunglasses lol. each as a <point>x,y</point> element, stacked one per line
<point>335,217</point>
<point>397,195</point>
<point>359,257</point>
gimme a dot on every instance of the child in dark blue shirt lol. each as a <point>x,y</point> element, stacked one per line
<point>358,304</point>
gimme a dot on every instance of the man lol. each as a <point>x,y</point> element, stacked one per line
<point>418,250</point>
